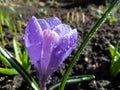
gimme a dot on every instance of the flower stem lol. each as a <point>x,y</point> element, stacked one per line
<point>43,87</point>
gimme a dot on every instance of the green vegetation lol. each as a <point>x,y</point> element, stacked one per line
<point>20,56</point>
<point>115,63</point>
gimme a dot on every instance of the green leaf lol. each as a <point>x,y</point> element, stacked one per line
<point>8,71</point>
<point>1,16</point>
<point>112,52</point>
<point>22,58</point>
<point>115,63</point>
<point>115,68</point>
<point>74,79</point>
<point>25,58</point>
<point>4,60</point>
<point>17,50</point>
<point>2,36</point>
<point>112,19</point>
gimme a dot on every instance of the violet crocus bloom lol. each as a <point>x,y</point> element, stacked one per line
<point>48,42</point>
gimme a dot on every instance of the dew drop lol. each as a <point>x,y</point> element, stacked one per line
<point>54,46</point>
<point>51,44</point>
<point>68,47</point>
<point>59,52</point>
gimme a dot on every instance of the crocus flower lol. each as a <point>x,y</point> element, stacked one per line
<point>48,43</point>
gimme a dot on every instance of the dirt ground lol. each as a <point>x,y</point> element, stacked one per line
<point>95,58</point>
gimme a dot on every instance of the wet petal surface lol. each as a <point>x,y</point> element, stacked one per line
<point>62,29</point>
<point>33,39</point>
<point>51,38</point>
<point>62,51</point>
<point>44,25</point>
<point>49,43</point>
<point>53,22</point>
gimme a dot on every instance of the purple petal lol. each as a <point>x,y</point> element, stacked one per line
<point>62,29</point>
<point>53,21</point>
<point>62,51</point>
<point>50,40</point>
<point>33,39</point>
<point>44,25</point>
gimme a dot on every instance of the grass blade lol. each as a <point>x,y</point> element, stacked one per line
<point>74,79</point>
<point>8,71</point>
<point>112,51</point>
<point>4,60</point>
<point>2,36</point>
<point>17,50</point>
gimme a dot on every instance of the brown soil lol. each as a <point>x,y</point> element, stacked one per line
<point>95,58</point>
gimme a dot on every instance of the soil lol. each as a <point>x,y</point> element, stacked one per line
<point>95,59</point>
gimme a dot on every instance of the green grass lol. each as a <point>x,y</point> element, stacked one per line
<point>115,55</point>
<point>8,19</point>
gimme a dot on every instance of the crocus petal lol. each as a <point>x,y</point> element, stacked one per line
<point>53,21</point>
<point>50,40</point>
<point>33,39</point>
<point>62,29</point>
<point>62,51</point>
<point>48,43</point>
<point>44,25</point>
